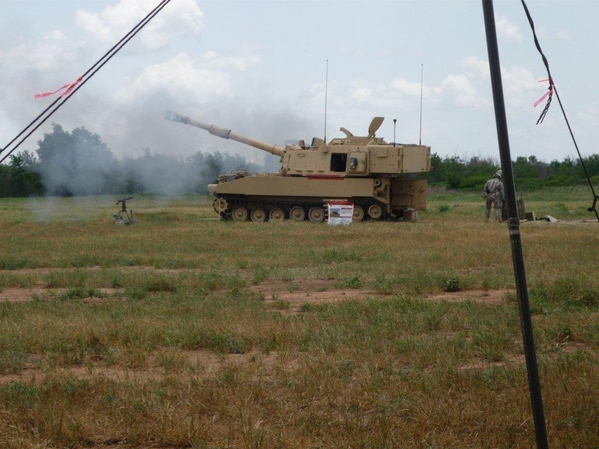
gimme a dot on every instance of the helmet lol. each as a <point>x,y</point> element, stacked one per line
<point>497,175</point>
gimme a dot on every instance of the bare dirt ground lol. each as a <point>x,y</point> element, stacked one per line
<point>199,363</point>
<point>296,294</point>
<point>314,291</point>
<point>29,294</point>
<point>322,292</point>
<point>205,363</point>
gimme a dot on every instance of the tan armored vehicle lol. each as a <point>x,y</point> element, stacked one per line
<point>366,171</point>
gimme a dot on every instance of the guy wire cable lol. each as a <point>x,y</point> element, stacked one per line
<point>108,54</point>
<point>83,76</point>
<point>115,49</point>
<point>103,60</point>
<point>552,90</point>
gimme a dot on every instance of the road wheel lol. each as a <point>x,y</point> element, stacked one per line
<point>297,213</point>
<point>258,215</point>
<point>358,213</point>
<point>316,214</point>
<point>239,213</point>
<point>277,214</point>
<point>375,212</point>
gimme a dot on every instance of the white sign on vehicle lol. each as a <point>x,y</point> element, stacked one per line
<point>340,212</point>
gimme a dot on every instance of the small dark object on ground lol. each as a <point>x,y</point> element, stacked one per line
<point>124,217</point>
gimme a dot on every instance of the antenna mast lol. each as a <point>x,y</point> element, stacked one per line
<point>326,90</point>
<point>421,78</point>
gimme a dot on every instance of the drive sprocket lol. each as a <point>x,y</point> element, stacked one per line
<point>220,205</point>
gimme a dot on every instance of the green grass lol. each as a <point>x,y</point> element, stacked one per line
<point>185,331</point>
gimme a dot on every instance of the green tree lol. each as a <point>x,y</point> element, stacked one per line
<point>76,163</point>
<point>18,179</point>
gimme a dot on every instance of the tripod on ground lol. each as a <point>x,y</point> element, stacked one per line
<point>124,217</point>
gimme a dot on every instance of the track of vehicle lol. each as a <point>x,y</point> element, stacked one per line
<point>240,208</point>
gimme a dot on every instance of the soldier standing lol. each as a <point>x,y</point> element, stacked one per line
<point>494,195</point>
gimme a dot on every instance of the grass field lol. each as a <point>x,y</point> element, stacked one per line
<point>184,331</point>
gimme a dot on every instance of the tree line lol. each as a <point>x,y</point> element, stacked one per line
<point>458,173</point>
<point>78,163</point>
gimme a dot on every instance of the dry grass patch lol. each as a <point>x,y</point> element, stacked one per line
<point>293,296</point>
<point>491,297</point>
<point>45,294</point>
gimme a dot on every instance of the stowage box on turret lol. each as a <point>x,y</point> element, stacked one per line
<point>367,171</point>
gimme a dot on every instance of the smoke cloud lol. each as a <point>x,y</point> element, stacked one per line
<point>78,163</point>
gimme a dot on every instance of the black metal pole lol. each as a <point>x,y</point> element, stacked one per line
<point>514,227</point>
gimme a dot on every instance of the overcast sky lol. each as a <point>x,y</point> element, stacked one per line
<point>259,68</point>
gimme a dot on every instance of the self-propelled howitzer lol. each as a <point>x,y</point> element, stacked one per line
<point>365,170</point>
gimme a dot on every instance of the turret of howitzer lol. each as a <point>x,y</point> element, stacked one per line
<point>365,170</point>
<point>351,156</point>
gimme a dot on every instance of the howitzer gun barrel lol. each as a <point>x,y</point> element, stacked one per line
<point>226,133</point>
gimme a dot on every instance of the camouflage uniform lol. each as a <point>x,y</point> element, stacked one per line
<point>494,195</point>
